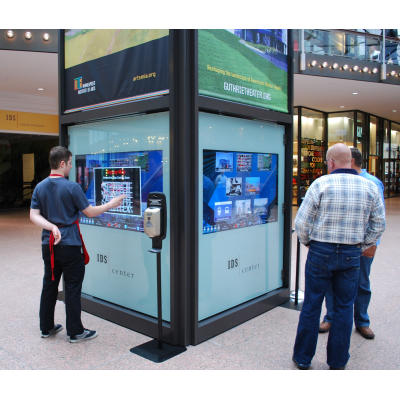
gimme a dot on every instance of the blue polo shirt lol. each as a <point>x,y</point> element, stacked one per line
<point>378,183</point>
<point>60,201</point>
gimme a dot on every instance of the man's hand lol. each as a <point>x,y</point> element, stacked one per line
<point>370,252</point>
<point>56,234</point>
<point>117,201</point>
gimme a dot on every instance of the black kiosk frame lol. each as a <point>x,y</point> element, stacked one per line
<point>184,104</point>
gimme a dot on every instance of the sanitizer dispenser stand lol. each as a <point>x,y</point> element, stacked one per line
<point>155,227</point>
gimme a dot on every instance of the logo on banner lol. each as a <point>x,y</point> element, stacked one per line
<point>235,264</point>
<point>84,87</point>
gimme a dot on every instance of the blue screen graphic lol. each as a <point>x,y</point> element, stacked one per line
<point>91,172</point>
<point>239,190</point>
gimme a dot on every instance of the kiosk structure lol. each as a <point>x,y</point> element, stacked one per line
<point>159,111</point>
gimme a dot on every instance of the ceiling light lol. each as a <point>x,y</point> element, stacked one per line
<point>335,65</point>
<point>40,88</point>
<point>28,35</point>
<point>394,111</point>
<point>46,37</point>
<point>375,70</point>
<point>393,73</point>
<point>313,63</point>
<point>10,34</point>
<point>365,69</point>
<point>324,64</point>
<point>355,68</point>
<point>341,106</point>
<point>355,93</point>
<point>345,67</point>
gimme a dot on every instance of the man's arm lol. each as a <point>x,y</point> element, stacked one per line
<point>95,211</point>
<point>39,220</point>
<point>305,216</point>
<point>376,226</point>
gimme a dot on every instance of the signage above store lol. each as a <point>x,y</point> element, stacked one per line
<point>28,122</point>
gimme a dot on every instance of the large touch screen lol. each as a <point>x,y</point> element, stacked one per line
<point>105,176</point>
<point>239,190</point>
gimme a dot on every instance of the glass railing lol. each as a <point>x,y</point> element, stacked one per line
<point>355,45</point>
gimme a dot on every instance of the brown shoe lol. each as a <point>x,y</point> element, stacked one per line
<point>365,332</point>
<point>324,327</point>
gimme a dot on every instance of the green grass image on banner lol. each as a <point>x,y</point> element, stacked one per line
<point>89,44</point>
<point>226,52</point>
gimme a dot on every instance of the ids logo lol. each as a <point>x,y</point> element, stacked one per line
<point>102,258</point>
<point>233,263</point>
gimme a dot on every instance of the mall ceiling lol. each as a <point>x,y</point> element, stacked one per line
<point>328,94</point>
<point>22,73</point>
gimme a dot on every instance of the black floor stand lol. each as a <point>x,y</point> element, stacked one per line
<point>156,350</point>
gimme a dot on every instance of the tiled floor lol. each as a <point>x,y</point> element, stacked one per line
<point>263,343</point>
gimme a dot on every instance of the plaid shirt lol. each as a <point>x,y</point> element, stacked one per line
<point>342,208</point>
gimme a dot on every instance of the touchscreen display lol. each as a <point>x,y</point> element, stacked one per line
<point>105,176</point>
<point>240,190</point>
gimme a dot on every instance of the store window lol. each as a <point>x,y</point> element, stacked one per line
<point>295,153</point>
<point>386,158</point>
<point>373,162</point>
<point>341,128</point>
<point>395,159</point>
<point>312,146</point>
<point>128,156</point>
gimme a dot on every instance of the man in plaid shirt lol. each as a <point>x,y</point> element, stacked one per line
<point>342,217</point>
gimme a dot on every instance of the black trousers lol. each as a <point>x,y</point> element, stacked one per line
<point>68,260</point>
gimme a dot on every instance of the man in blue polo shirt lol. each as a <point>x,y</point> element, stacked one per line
<point>361,317</point>
<point>55,207</point>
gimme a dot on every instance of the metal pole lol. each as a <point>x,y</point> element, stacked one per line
<point>296,295</point>
<point>383,55</point>
<point>159,302</point>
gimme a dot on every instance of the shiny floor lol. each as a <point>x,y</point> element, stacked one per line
<point>263,343</point>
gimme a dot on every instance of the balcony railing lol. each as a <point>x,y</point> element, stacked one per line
<point>350,44</point>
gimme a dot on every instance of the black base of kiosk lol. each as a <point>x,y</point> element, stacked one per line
<point>151,352</point>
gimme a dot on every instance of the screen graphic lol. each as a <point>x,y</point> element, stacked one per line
<point>238,197</point>
<point>105,176</point>
<point>104,67</point>
<point>248,66</point>
<point>114,182</point>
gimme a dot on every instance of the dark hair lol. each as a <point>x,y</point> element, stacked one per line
<point>58,154</point>
<point>356,154</point>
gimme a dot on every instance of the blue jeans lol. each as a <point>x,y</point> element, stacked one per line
<point>361,317</point>
<point>336,265</point>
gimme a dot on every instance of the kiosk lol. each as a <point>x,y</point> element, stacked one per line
<point>216,141</point>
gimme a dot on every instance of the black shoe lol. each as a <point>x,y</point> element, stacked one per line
<point>300,366</point>
<point>56,328</point>
<point>86,335</point>
<point>337,368</point>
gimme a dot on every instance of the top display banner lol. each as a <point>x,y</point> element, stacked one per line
<point>104,67</point>
<point>248,66</point>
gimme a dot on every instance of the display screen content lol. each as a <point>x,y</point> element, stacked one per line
<point>105,176</point>
<point>239,190</point>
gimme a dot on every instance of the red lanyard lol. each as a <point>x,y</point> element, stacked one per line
<point>62,176</point>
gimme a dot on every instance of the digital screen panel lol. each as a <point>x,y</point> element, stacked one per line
<point>105,176</point>
<point>248,66</point>
<point>235,197</point>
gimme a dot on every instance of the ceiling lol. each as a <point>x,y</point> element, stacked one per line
<point>328,94</point>
<point>21,74</point>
